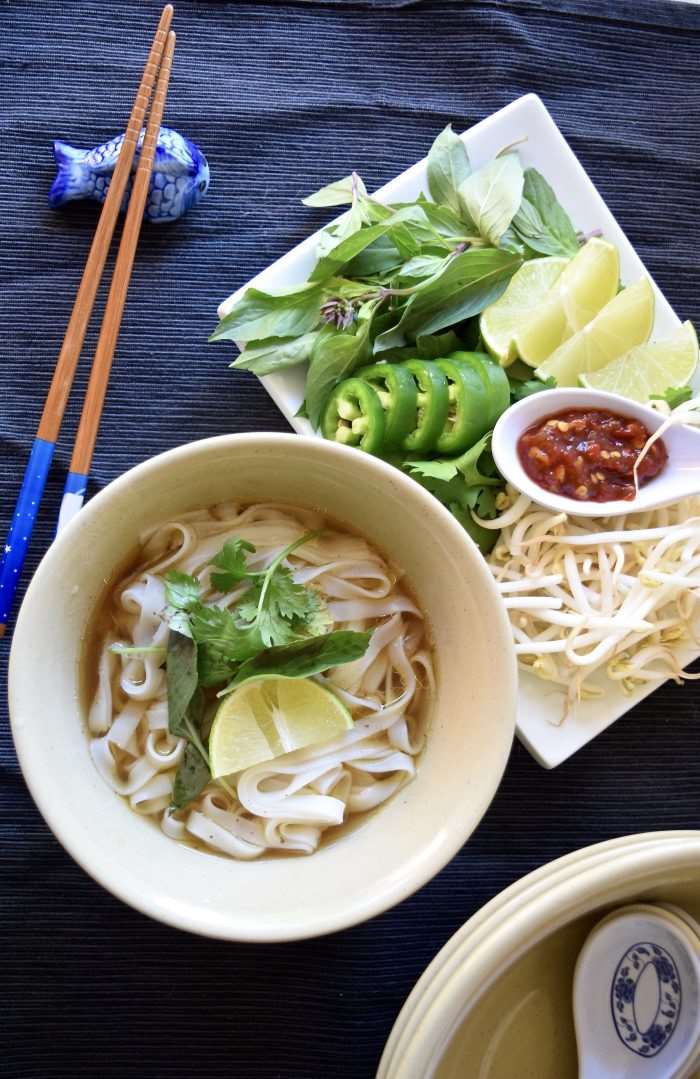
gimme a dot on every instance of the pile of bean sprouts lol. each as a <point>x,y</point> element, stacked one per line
<point>584,594</point>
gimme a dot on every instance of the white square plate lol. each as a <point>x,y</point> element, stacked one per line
<point>540,705</point>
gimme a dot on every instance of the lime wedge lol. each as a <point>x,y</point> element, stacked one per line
<point>649,369</point>
<point>583,288</point>
<point>622,324</point>
<point>267,717</point>
<point>501,321</point>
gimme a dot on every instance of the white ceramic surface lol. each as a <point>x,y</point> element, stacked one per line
<point>641,867</point>
<point>679,478</point>
<point>498,910</point>
<point>381,861</point>
<point>539,705</point>
<point>639,970</point>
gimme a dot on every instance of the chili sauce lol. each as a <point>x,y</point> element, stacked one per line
<point>589,454</point>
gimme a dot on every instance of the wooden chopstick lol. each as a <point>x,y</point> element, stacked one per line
<point>68,357</point>
<point>76,480</point>
<point>36,471</point>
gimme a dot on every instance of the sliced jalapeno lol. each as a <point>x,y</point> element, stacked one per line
<point>495,380</point>
<point>433,405</point>
<point>398,395</point>
<point>467,418</point>
<point>354,416</point>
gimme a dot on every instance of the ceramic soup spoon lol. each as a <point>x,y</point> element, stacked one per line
<point>679,478</point>
<point>637,996</point>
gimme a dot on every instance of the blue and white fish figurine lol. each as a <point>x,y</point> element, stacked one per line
<point>180,176</point>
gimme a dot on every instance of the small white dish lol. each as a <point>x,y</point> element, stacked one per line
<point>539,704</point>
<point>637,996</point>
<point>679,478</point>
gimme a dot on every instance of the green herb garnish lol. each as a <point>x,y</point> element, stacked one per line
<point>278,627</point>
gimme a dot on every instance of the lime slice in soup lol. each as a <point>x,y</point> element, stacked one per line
<point>623,323</point>
<point>650,369</point>
<point>265,718</point>
<point>587,284</point>
<point>501,321</point>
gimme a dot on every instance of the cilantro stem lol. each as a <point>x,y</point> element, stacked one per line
<point>137,649</point>
<point>271,569</point>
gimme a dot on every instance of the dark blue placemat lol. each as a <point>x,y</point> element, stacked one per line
<point>282,98</point>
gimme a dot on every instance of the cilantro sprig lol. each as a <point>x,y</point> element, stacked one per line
<point>278,627</point>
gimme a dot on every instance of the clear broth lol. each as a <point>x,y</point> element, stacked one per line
<point>102,621</point>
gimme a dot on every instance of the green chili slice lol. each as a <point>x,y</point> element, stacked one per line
<point>398,395</point>
<point>467,418</point>
<point>433,405</point>
<point>354,416</point>
<point>494,379</point>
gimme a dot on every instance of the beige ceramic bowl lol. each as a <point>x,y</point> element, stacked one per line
<point>496,1002</point>
<point>395,851</point>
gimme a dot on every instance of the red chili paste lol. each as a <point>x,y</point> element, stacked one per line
<point>588,454</point>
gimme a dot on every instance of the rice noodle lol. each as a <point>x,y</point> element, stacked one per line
<point>586,595</point>
<point>287,803</point>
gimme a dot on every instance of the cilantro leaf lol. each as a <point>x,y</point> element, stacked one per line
<point>231,559</point>
<point>280,608</point>
<point>221,643</point>
<point>181,590</point>
<point>519,390</point>
<point>464,484</point>
<point>673,396</point>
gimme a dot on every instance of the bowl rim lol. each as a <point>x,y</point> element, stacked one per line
<point>511,930</point>
<point>523,890</point>
<point>198,920</point>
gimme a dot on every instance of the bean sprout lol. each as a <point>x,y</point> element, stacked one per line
<point>583,595</point>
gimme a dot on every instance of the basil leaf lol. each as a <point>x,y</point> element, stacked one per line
<point>191,777</point>
<point>335,356</point>
<point>492,196</point>
<point>379,257</point>
<point>472,302</point>
<point>444,221</point>
<point>401,226</point>
<point>463,287</point>
<point>258,314</point>
<point>422,266</point>
<point>448,168</point>
<point>541,220</point>
<point>347,249</point>
<point>305,658</point>
<point>276,353</point>
<point>181,669</point>
<point>338,193</point>
<point>435,346</point>
<point>232,560</point>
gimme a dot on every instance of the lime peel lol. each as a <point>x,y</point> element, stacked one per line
<point>266,717</point>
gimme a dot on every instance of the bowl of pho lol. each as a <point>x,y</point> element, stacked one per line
<point>276,692</point>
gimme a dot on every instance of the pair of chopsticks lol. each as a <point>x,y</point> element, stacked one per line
<point>156,72</point>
